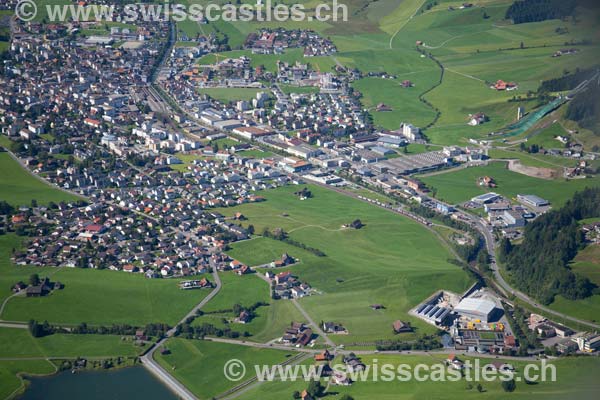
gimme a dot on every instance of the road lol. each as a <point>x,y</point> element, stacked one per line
<point>504,286</point>
<point>501,284</point>
<point>148,358</point>
<point>317,328</point>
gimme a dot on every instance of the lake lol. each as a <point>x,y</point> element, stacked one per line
<point>126,383</point>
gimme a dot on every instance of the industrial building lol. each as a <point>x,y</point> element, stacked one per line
<point>478,308</point>
<point>532,200</point>
<point>486,198</point>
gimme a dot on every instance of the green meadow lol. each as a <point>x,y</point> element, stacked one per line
<point>198,364</point>
<point>231,94</point>
<point>93,296</point>
<point>459,186</point>
<point>574,379</point>
<point>23,345</point>
<point>19,187</point>
<point>11,372</point>
<point>384,262</point>
<point>270,320</point>
<point>534,160</point>
<point>587,263</point>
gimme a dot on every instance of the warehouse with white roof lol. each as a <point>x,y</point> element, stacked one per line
<point>478,308</point>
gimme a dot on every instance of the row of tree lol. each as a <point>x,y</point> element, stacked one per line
<point>188,331</point>
<point>280,234</point>
<point>539,265</point>
<point>425,342</point>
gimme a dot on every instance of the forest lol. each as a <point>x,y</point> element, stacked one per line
<point>568,81</point>
<point>523,11</point>
<point>539,265</point>
<point>585,108</point>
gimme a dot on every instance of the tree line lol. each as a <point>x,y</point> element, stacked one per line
<point>158,330</point>
<point>540,264</point>
<point>280,234</point>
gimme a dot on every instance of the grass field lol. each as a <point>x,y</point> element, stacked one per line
<point>19,187</point>
<point>93,296</point>
<point>270,320</point>
<point>575,378</point>
<point>255,153</point>
<point>23,345</point>
<point>380,263</point>
<point>231,94</point>
<point>533,160</point>
<point>587,263</point>
<point>459,186</point>
<point>10,374</point>
<point>105,297</point>
<point>198,364</point>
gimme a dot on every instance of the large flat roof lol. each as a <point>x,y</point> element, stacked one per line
<point>473,305</point>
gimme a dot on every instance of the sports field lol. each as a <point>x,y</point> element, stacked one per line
<point>391,261</point>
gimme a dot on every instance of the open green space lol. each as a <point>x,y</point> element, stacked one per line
<point>245,290</point>
<point>19,187</point>
<point>586,263</point>
<point>11,380</point>
<point>255,153</point>
<point>546,138</point>
<point>382,263</point>
<point>575,378</point>
<point>476,51</point>
<point>231,94</point>
<point>198,364</point>
<point>533,159</point>
<point>99,297</point>
<point>270,320</point>
<point>103,297</point>
<point>461,185</point>
<point>587,309</point>
<point>23,345</point>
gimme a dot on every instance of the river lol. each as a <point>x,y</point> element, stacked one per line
<point>126,383</point>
